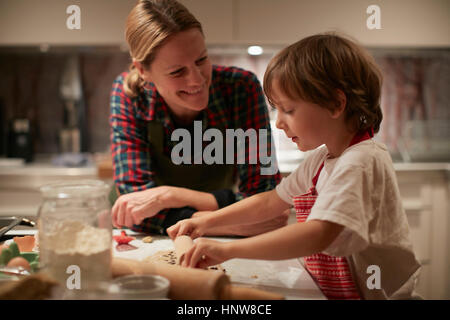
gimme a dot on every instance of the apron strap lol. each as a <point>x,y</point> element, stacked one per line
<point>316,177</point>
<point>359,137</point>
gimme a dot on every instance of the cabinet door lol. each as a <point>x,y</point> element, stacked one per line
<point>216,17</point>
<point>403,22</point>
<point>419,213</point>
<point>425,199</point>
<point>415,192</point>
<point>30,22</point>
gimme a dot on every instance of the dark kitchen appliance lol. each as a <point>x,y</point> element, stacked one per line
<point>2,129</point>
<point>72,136</point>
<point>20,141</point>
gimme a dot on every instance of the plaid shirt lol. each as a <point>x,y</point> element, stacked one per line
<point>235,101</point>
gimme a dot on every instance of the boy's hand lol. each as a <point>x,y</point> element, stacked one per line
<point>193,227</point>
<point>205,253</point>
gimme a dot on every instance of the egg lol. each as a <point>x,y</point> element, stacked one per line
<point>19,262</point>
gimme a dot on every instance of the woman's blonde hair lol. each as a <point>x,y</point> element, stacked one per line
<point>313,68</point>
<point>148,25</point>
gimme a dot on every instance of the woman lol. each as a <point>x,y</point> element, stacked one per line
<point>172,85</point>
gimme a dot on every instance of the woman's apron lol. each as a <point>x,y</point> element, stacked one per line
<point>332,274</point>
<point>199,177</point>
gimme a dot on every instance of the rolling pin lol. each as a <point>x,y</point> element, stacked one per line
<point>191,284</point>
<point>185,283</point>
<point>182,245</point>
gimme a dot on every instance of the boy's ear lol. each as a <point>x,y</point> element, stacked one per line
<point>341,103</point>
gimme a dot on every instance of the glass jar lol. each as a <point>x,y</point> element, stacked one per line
<point>75,233</point>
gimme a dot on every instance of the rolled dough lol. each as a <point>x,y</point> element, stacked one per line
<point>170,257</point>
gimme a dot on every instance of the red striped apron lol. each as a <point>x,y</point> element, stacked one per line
<point>332,274</point>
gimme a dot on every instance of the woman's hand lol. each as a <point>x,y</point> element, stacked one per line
<point>193,227</point>
<point>205,253</point>
<point>134,207</point>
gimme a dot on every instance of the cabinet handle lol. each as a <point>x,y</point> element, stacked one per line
<point>415,206</point>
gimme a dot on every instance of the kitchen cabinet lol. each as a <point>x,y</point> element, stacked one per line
<point>30,22</point>
<point>425,195</point>
<point>404,23</point>
<point>216,17</point>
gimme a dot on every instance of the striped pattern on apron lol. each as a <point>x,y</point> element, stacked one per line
<point>332,274</point>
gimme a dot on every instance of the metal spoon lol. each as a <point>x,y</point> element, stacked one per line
<point>15,270</point>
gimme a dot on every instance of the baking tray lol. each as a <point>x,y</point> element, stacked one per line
<point>7,223</point>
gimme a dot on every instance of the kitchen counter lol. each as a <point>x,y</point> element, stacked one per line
<point>287,167</point>
<point>33,175</point>
<point>285,277</point>
<point>20,182</point>
<point>422,166</point>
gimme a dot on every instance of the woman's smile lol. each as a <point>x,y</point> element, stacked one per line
<point>194,92</point>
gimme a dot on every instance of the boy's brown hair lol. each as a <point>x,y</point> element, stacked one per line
<point>313,68</point>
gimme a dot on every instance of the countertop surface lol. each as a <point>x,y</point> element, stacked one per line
<point>45,165</point>
<point>285,277</point>
<point>287,167</point>
<point>47,169</point>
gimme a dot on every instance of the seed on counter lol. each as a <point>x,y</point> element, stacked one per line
<point>147,239</point>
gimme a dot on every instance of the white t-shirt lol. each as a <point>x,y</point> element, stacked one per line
<point>359,191</point>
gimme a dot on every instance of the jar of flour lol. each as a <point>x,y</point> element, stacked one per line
<point>75,234</point>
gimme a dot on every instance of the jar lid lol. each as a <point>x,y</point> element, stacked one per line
<point>75,189</point>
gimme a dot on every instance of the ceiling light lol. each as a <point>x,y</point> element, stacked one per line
<point>255,50</point>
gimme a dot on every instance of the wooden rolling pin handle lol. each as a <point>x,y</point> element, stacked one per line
<point>192,284</point>
<point>124,267</point>
<point>230,292</point>
<point>182,245</point>
<point>185,283</point>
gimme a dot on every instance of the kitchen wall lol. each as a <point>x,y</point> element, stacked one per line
<point>415,103</point>
<point>412,47</point>
<point>414,100</point>
<point>30,87</point>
